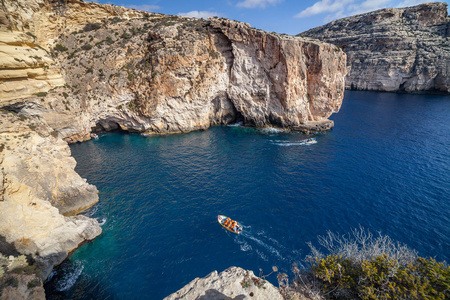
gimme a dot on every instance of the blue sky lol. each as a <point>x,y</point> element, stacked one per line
<point>282,16</point>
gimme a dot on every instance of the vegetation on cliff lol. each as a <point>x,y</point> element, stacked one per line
<point>361,266</point>
<point>20,278</point>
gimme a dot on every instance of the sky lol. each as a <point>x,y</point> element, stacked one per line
<point>281,16</point>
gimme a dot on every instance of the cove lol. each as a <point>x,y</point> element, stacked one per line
<point>384,166</point>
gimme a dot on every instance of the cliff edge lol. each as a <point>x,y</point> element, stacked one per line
<point>394,49</point>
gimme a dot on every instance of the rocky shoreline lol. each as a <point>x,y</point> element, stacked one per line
<point>71,68</point>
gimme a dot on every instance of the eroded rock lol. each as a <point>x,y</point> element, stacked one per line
<point>233,283</point>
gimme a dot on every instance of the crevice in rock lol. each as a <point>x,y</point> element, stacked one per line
<point>7,248</point>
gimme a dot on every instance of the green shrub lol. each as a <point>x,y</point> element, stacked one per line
<point>60,48</point>
<point>115,20</point>
<point>34,283</point>
<point>91,26</point>
<point>109,40</point>
<point>86,47</point>
<point>362,266</point>
<point>382,278</point>
<point>125,36</point>
<point>12,281</point>
<point>65,95</point>
<point>41,94</point>
<point>32,35</point>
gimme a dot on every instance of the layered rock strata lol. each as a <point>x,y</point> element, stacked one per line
<point>165,74</point>
<point>233,283</point>
<point>25,67</point>
<point>69,68</point>
<point>394,50</point>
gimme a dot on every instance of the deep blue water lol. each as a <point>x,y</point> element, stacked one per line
<point>385,166</point>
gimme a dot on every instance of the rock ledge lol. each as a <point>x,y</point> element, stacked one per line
<point>233,283</point>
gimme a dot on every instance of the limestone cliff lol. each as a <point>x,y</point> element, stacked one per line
<point>38,185</point>
<point>163,74</point>
<point>68,68</point>
<point>233,283</point>
<point>394,50</point>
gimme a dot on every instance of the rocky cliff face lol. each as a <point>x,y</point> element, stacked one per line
<point>233,283</point>
<point>394,50</point>
<point>38,185</point>
<point>164,74</point>
<point>68,68</point>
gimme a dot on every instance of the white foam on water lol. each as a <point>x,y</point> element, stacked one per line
<point>245,247</point>
<point>288,143</point>
<point>101,222</point>
<point>267,247</point>
<point>262,255</point>
<point>91,211</point>
<point>52,273</point>
<point>70,276</point>
<point>272,130</point>
<point>235,124</point>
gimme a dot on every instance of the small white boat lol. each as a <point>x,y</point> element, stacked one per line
<point>310,141</point>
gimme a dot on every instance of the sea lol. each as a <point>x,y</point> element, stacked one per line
<point>385,166</point>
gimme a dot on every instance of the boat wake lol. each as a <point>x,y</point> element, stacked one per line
<point>265,247</point>
<point>289,143</point>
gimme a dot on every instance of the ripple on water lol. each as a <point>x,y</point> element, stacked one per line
<point>384,166</point>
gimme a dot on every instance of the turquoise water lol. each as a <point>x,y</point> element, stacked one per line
<point>385,166</point>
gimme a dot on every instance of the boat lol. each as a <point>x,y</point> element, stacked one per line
<point>229,224</point>
<point>310,141</point>
<point>94,136</point>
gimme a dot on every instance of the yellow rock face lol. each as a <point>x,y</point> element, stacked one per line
<point>25,68</point>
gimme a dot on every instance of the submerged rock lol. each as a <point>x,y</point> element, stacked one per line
<point>233,283</point>
<point>394,49</point>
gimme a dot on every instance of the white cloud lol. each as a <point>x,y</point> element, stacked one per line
<point>145,7</point>
<point>257,3</point>
<point>323,6</point>
<point>407,3</point>
<point>200,14</point>
<point>366,6</point>
<point>335,9</point>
